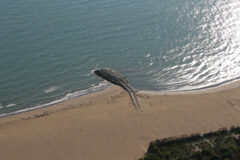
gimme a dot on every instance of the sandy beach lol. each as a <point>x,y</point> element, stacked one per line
<point>106,126</point>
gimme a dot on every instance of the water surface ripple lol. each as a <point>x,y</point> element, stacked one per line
<point>48,49</point>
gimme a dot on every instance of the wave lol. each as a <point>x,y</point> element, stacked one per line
<point>101,86</point>
<point>7,106</point>
<point>51,89</point>
<point>10,105</point>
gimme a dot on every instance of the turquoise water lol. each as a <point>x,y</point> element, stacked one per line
<point>48,49</point>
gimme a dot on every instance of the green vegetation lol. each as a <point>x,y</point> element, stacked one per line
<point>219,145</point>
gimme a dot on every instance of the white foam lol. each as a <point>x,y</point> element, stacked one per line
<point>93,71</point>
<point>10,105</point>
<point>90,73</point>
<point>148,55</point>
<point>1,106</point>
<point>92,89</point>
<point>51,89</point>
<point>7,106</point>
<point>150,64</point>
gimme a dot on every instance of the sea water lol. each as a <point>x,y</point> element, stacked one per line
<point>48,49</point>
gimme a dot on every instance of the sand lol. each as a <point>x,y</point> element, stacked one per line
<point>105,125</point>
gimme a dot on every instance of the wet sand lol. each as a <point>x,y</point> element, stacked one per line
<point>106,126</point>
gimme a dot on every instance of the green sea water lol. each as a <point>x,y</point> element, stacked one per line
<point>48,49</point>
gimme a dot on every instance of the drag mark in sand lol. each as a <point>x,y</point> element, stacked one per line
<point>234,104</point>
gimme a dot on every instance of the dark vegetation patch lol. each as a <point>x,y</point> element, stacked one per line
<point>218,145</point>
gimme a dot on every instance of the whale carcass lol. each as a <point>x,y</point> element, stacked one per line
<point>117,79</point>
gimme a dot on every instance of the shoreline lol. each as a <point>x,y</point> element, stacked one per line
<point>205,90</point>
<point>105,125</point>
<point>60,100</point>
<point>208,89</point>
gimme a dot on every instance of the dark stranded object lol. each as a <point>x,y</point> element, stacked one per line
<point>117,79</point>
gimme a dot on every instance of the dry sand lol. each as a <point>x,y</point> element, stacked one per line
<point>105,125</point>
